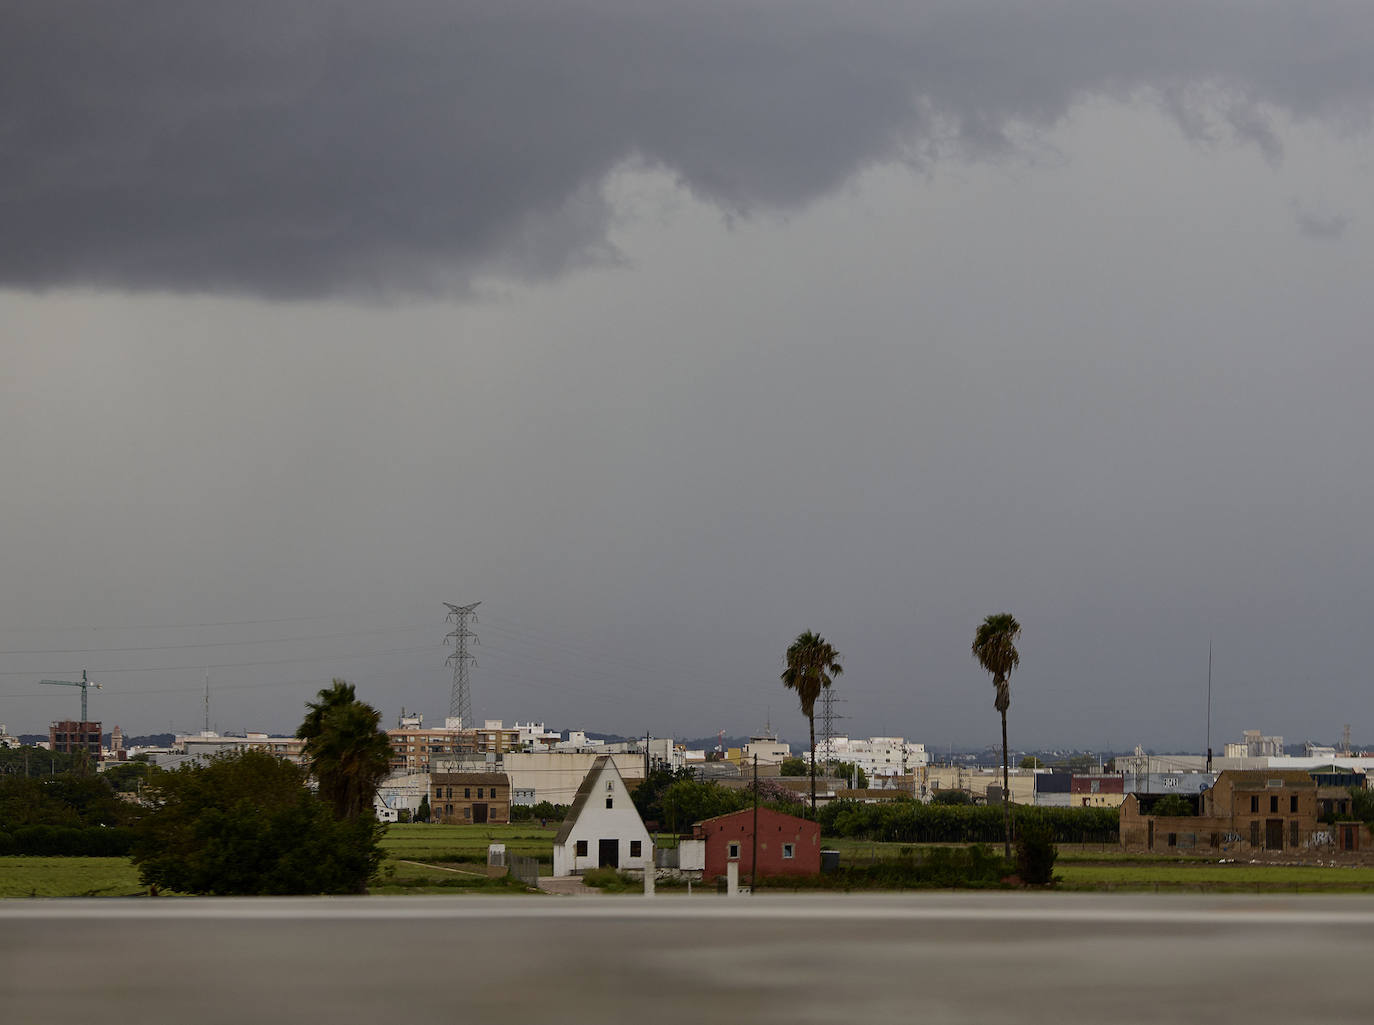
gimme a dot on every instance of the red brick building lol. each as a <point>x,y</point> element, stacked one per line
<point>787,845</point>
<point>69,736</point>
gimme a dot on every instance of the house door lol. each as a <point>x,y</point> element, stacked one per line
<point>479,813</point>
<point>608,854</point>
<point>1273,834</point>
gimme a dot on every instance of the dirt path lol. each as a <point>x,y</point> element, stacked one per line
<point>440,868</point>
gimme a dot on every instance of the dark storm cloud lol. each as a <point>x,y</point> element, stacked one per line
<point>318,148</point>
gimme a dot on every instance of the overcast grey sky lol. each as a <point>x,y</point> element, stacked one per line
<point>668,331</point>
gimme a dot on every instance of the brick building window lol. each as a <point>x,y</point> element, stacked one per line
<point>467,791</point>
<point>1254,802</point>
<point>1293,831</point>
<point>1273,803</point>
<point>1293,804</point>
<point>1254,834</point>
<point>479,793</point>
<point>788,850</point>
<point>733,851</point>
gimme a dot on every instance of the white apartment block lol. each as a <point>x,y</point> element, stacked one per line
<point>877,756</point>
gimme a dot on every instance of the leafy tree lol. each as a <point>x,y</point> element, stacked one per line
<point>34,762</point>
<point>127,777</point>
<point>793,766</point>
<point>1173,806</point>
<point>848,770</point>
<point>955,797</point>
<point>994,646</point>
<point>422,813</point>
<point>688,801</point>
<point>1362,805</point>
<point>648,796</point>
<point>812,663</point>
<point>347,751</point>
<point>1031,762</point>
<point>247,823</point>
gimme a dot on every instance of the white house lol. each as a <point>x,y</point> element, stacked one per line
<point>603,827</point>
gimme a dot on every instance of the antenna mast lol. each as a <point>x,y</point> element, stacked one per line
<point>460,703</point>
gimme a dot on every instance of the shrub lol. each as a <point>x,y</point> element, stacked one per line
<point>1035,851</point>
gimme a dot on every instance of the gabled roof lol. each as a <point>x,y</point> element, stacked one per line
<point>583,793</point>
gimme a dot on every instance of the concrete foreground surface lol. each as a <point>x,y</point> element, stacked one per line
<point>981,958</point>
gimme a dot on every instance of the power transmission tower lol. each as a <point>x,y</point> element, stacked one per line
<point>828,718</point>
<point>460,703</point>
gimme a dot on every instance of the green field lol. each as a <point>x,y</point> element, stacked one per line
<point>425,842</point>
<point>1216,878</point>
<point>440,859</point>
<point>68,877</point>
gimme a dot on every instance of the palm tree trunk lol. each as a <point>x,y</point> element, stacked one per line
<point>812,720</point>
<point>1006,796</point>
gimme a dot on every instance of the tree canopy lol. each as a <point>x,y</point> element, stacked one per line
<point>246,823</point>
<point>812,663</point>
<point>346,748</point>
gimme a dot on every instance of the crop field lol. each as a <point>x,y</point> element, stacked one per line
<point>426,842</point>
<point>68,877</point>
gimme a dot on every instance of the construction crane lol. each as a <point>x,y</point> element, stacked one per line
<point>83,683</point>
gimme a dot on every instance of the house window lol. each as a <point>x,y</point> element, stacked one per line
<point>733,850</point>
<point>636,849</point>
<point>581,848</point>
<point>788,850</point>
<point>1293,804</point>
<point>1254,802</point>
<point>610,801</point>
<point>1273,803</point>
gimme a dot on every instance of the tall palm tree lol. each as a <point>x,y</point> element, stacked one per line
<point>994,646</point>
<point>811,664</point>
<point>346,748</point>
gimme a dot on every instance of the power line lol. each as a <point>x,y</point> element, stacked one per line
<point>210,644</point>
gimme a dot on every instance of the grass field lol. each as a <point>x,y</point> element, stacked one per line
<point>68,877</point>
<point>1171,876</point>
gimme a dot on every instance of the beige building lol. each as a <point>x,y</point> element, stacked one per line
<point>977,781</point>
<point>469,797</point>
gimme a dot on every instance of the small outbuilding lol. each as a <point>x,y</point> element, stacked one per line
<point>787,845</point>
<point>602,828</point>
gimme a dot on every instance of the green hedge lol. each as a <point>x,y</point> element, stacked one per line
<point>911,822</point>
<point>68,841</point>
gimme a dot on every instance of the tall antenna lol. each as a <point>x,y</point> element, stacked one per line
<point>460,704</point>
<point>207,701</point>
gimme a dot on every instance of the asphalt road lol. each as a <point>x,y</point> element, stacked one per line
<point>984,958</point>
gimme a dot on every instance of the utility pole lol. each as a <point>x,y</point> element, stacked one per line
<point>460,702</point>
<point>83,683</point>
